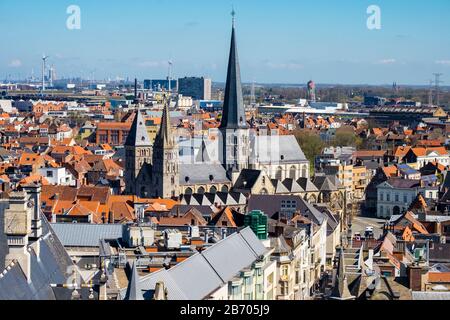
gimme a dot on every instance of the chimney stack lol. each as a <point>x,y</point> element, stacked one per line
<point>17,226</point>
<point>415,277</point>
<point>135,90</point>
<point>34,195</point>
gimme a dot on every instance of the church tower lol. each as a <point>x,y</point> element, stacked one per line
<point>138,151</point>
<point>165,169</point>
<point>233,127</point>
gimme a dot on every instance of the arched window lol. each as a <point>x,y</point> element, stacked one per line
<point>305,171</point>
<point>264,191</point>
<point>292,172</point>
<point>213,189</point>
<point>188,191</point>
<point>201,190</point>
<point>224,189</point>
<point>279,173</point>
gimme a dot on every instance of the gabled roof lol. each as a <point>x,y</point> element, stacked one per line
<point>247,179</point>
<point>280,188</point>
<point>323,183</point>
<point>292,186</point>
<point>224,215</point>
<point>134,291</point>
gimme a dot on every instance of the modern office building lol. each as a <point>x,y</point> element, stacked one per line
<point>195,87</point>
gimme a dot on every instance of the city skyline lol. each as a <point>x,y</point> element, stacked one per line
<point>194,36</point>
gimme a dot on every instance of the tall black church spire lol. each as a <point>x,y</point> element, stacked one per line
<point>233,116</point>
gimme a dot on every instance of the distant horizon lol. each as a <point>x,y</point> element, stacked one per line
<point>131,81</point>
<point>289,42</point>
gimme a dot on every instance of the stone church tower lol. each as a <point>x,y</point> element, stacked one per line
<point>138,151</point>
<point>233,127</point>
<point>165,168</point>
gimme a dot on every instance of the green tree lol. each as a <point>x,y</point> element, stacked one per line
<point>311,144</point>
<point>345,136</point>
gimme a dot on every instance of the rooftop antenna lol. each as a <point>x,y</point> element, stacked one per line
<point>437,82</point>
<point>44,60</point>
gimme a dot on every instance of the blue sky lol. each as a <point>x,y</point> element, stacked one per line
<point>284,41</point>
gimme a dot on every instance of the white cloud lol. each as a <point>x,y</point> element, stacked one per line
<point>386,61</point>
<point>15,63</point>
<point>287,66</point>
<point>443,62</point>
<point>152,64</point>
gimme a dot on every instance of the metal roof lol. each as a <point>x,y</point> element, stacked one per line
<point>276,149</point>
<point>427,295</point>
<point>201,173</point>
<point>86,235</point>
<point>203,273</point>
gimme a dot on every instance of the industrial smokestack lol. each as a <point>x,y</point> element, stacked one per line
<point>135,89</point>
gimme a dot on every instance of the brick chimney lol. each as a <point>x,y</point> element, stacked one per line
<point>415,277</point>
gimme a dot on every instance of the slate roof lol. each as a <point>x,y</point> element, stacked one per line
<point>323,183</point>
<point>307,185</point>
<point>200,174</point>
<point>134,291</point>
<point>292,186</point>
<point>209,199</point>
<point>276,149</point>
<point>206,211</point>
<point>280,188</point>
<point>233,115</point>
<point>138,136</point>
<point>51,266</point>
<point>247,179</point>
<point>271,205</point>
<point>399,183</point>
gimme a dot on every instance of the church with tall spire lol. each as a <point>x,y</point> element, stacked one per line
<point>214,165</point>
<point>233,126</point>
<point>138,152</point>
<point>165,171</point>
